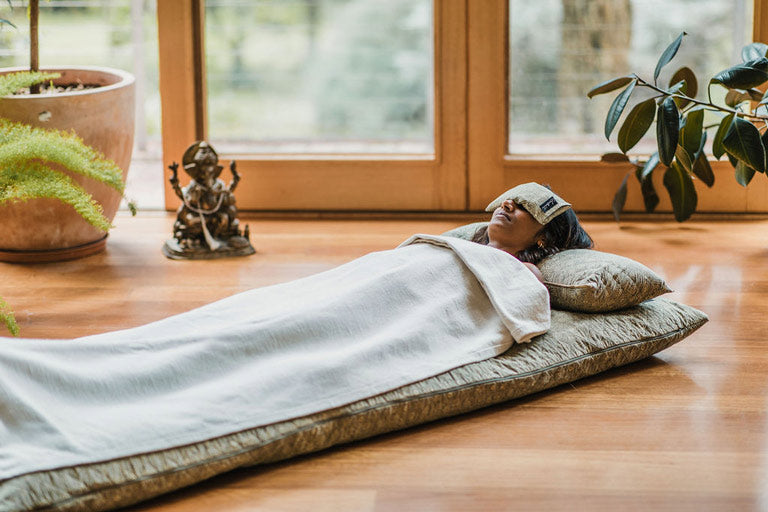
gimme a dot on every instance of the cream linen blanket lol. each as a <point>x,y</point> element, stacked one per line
<point>270,354</point>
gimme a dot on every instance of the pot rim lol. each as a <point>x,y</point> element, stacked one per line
<point>125,79</point>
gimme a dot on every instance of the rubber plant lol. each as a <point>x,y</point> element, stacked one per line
<point>681,133</point>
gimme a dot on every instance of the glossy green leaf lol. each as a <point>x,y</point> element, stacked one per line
<point>743,174</point>
<point>620,198</point>
<point>701,144</point>
<point>609,85</point>
<point>755,94</point>
<point>691,133</point>
<point>743,141</point>
<point>667,129</point>
<point>650,197</point>
<point>734,96</point>
<point>639,119</point>
<point>717,145</point>
<point>686,74</point>
<point>734,161</point>
<point>753,51</point>
<point>681,191</point>
<point>703,170</point>
<point>617,107</point>
<point>743,76</point>
<point>683,158</point>
<point>676,87</point>
<point>614,158</point>
<point>650,165</point>
<point>667,56</point>
<point>764,139</point>
<point>690,84</point>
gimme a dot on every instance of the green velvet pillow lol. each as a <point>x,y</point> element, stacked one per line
<point>585,280</point>
<point>591,281</point>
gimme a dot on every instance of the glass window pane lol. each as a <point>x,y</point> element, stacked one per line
<point>319,76</point>
<point>560,49</point>
<point>112,33</point>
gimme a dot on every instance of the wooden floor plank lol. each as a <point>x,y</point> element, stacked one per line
<point>685,430</point>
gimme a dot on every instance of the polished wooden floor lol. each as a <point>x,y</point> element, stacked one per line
<point>686,430</point>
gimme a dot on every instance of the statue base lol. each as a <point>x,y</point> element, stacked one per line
<point>235,246</point>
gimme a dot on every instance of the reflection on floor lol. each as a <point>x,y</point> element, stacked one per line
<point>685,430</point>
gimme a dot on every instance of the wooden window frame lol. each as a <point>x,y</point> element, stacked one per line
<point>470,164</point>
<point>333,182</point>
<point>588,183</point>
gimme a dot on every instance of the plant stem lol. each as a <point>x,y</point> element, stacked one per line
<point>643,83</point>
<point>34,53</point>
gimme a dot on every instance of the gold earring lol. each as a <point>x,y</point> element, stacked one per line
<point>540,243</point>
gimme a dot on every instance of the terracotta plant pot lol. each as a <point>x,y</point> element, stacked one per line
<point>47,229</point>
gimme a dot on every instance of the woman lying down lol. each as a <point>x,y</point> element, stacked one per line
<point>271,354</point>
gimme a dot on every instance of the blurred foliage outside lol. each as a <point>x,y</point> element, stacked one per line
<point>320,75</point>
<point>559,49</point>
<point>93,33</point>
<point>356,75</point>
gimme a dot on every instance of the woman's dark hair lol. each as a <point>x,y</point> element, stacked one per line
<point>561,233</point>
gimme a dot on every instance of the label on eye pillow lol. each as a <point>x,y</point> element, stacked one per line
<point>548,204</point>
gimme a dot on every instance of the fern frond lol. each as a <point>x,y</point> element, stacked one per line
<point>12,82</point>
<point>33,180</point>
<point>7,318</point>
<point>20,142</point>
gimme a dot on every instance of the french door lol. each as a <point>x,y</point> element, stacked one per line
<point>496,104</point>
<point>429,177</point>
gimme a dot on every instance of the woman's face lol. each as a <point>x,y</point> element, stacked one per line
<point>512,229</point>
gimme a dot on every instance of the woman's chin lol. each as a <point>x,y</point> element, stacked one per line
<point>497,226</point>
<point>497,222</point>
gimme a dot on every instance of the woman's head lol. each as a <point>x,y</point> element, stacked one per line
<point>513,229</point>
<point>531,222</point>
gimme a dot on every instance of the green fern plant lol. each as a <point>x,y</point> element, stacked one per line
<point>7,318</point>
<point>31,160</point>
